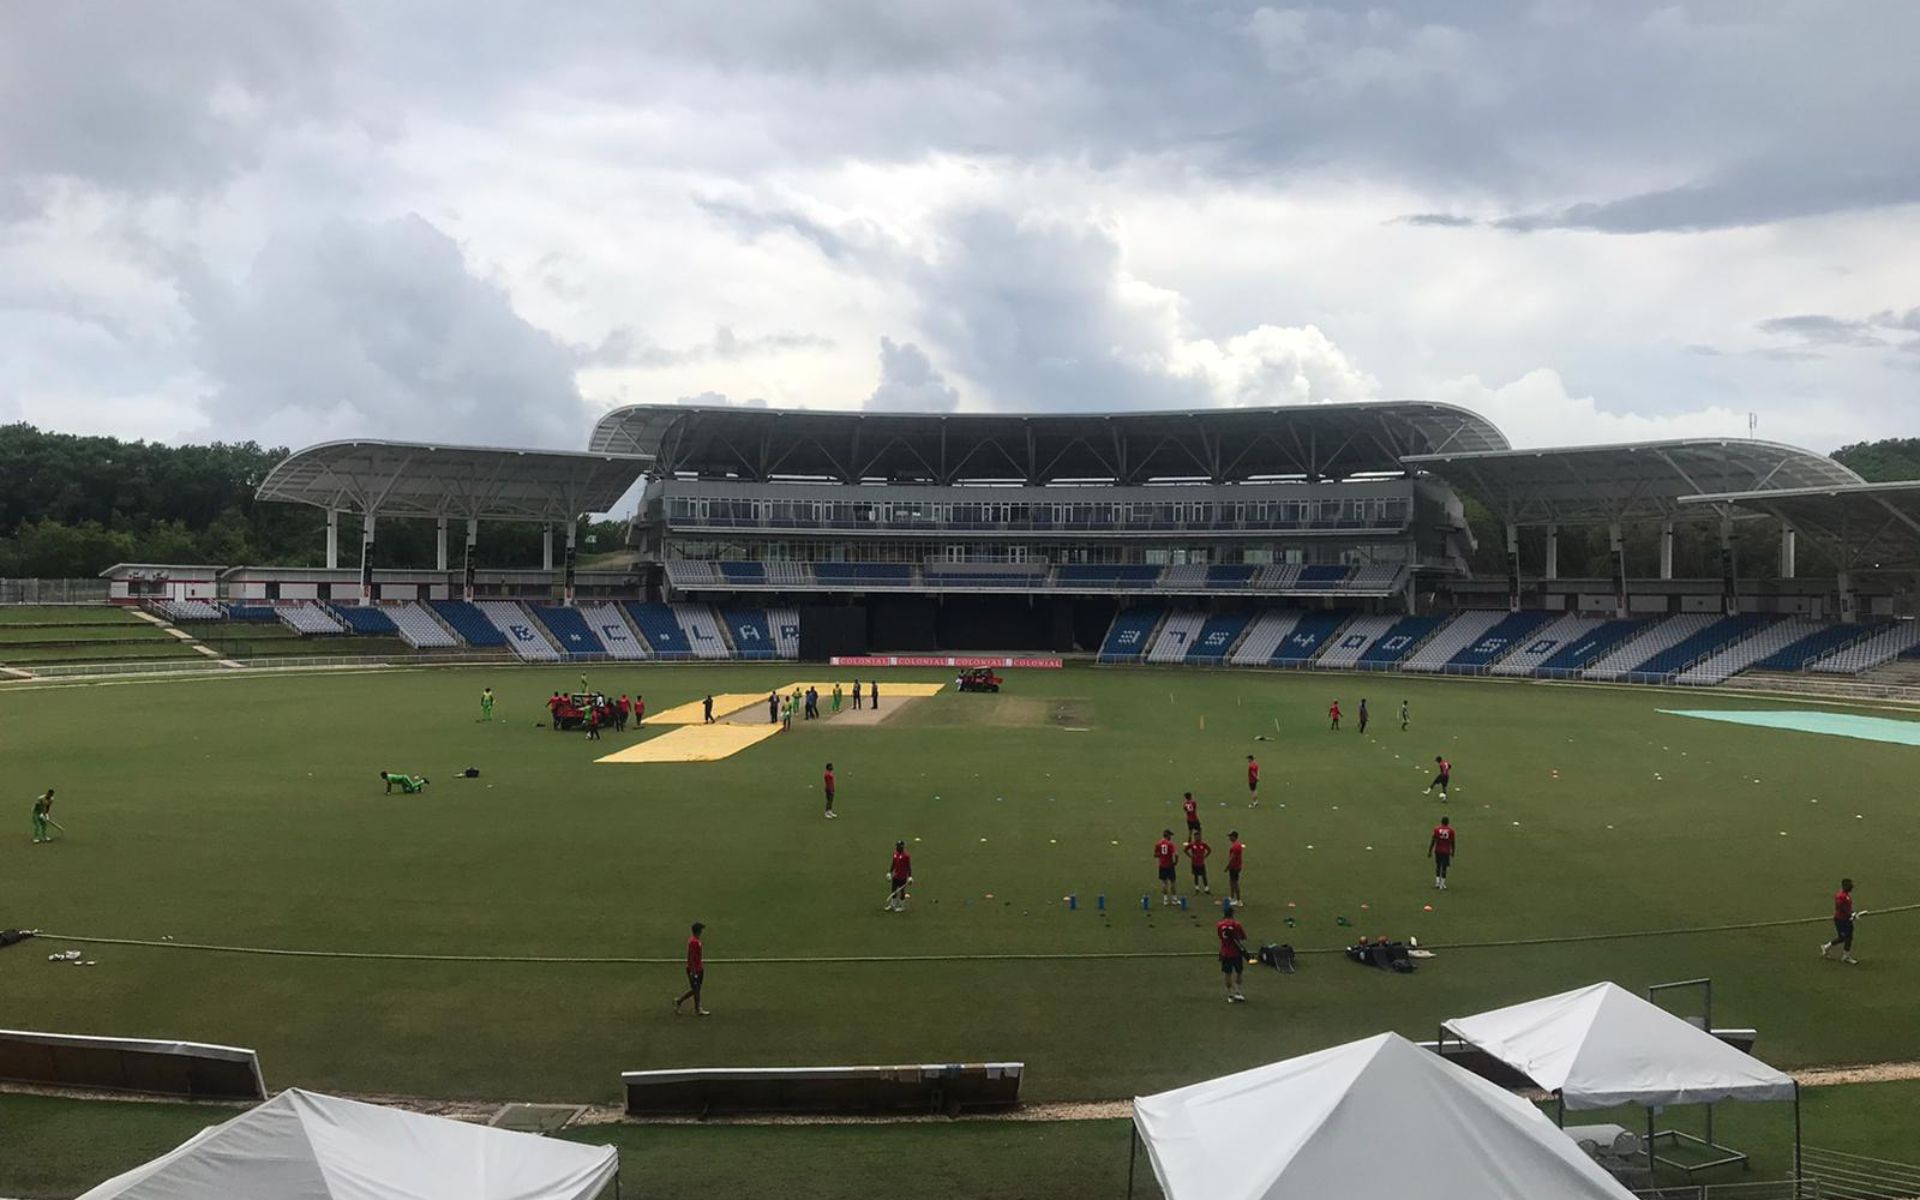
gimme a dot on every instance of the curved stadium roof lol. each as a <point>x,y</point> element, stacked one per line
<point>1634,481</point>
<point>1331,441</point>
<point>407,479</point>
<point>1870,525</point>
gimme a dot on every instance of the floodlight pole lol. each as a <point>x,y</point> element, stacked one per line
<point>366,558</point>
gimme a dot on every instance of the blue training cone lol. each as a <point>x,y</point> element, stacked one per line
<point>1100,902</point>
<point>1143,904</point>
<point>1073,902</point>
<point>1183,904</point>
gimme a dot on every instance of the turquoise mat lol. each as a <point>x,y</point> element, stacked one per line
<point>1871,729</point>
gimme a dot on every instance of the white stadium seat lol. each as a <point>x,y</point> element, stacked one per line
<point>1345,649</point>
<point>1453,637</point>
<point>1658,636</point>
<point>419,628</point>
<point>611,627</point>
<point>702,630</point>
<point>1864,655</point>
<point>1176,636</point>
<point>1257,647</point>
<point>1531,653</point>
<point>308,618</point>
<point>523,633</point>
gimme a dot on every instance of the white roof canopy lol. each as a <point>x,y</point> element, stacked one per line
<point>1867,525</point>
<point>1350,1122</point>
<point>1602,1046</point>
<point>306,1146</point>
<point>1634,481</point>
<point>415,479</point>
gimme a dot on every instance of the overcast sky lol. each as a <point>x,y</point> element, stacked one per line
<point>490,222</point>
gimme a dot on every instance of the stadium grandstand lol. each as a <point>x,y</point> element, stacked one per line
<point>1320,537</point>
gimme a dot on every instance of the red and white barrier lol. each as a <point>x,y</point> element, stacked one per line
<point>941,660</point>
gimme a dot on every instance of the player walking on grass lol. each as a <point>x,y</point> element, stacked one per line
<point>1166,857</point>
<point>639,710</point>
<point>1363,714</point>
<point>1233,953</point>
<point>1236,854</point>
<point>1191,807</point>
<point>826,785</point>
<point>836,698</point>
<point>1440,850</point>
<point>773,708</point>
<point>696,973</point>
<point>486,704</point>
<point>706,710</point>
<point>1333,714</point>
<point>899,875</point>
<point>1843,916</point>
<point>1406,715</point>
<point>595,714</point>
<point>43,817</point>
<point>1253,779</point>
<point>856,695</point>
<point>873,693</point>
<point>1442,778</point>
<point>1197,851</point>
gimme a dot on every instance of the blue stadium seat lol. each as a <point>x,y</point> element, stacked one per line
<point>1108,575</point>
<point>1216,638</point>
<point>1794,655</point>
<point>366,619</point>
<point>1308,636</point>
<point>469,622</point>
<point>1228,576</point>
<point>744,572</point>
<point>663,633</point>
<point>1578,654</point>
<point>1494,643</point>
<point>848,574</point>
<point>570,630</point>
<point>751,632</point>
<point>1400,641</point>
<point>1701,644</point>
<point>251,612</point>
<point>1126,639</point>
<point>1323,576</point>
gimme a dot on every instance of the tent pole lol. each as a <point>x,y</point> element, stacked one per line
<point>1796,1139</point>
<point>1133,1148</point>
<point>1560,1109</point>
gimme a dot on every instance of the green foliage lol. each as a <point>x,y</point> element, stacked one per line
<point>1883,461</point>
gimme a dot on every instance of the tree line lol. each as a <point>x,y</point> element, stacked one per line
<point>72,506</point>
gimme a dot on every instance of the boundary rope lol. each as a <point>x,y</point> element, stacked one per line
<point>842,959</point>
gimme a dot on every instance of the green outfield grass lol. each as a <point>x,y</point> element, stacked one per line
<point>75,1144</point>
<point>246,811</point>
<point>66,614</point>
<point>91,631</point>
<point>97,651</point>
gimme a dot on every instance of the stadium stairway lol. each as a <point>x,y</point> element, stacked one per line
<point>1307,637</point>
<point>1130,634</point>
<point>466,619</point>
<point>308,619</point>
<point>1825,639</point>
<point>1528,654</point>
<point>1264,636</point>
<point>368,619</point>
<point>1217,638</point>
<point>1491,646</point>
<point>1730,660</point>
<point>568,630</point>
<point>751,632</point>
<point>521,631</point>
<point>1871,651</point>
<point>1717,636</point>
<point>419,628</point>
<point>704,633</point>
<point>663,634</point>
<point>1653,639</point>
<point>1453,637</point>
<point>1404,638</point>
<point>1355,640</point>
<point>619,637</point>
<point>1175,637</point>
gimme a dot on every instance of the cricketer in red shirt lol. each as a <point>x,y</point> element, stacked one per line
<point>1253,775</point>
<point>1233,958</point>
<point>1192,808</point>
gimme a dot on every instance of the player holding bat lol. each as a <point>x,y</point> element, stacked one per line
<point>899,875</point>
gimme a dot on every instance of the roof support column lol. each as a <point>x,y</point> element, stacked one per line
<point>546,547</point>
<point>1847,612</point>
<point>573,553</point>
<point>333,539</point>
<point>1618,545</point>
<point>473,539</point>
<point>1553,552</point>
<point>1787,548</point>
<point>1513,567</point>
<point>1729,594</point>
<point>1666,549</point>
<point>440,544</point>
<point>366,558</point>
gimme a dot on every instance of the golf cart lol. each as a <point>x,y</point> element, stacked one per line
<point>979,679</point>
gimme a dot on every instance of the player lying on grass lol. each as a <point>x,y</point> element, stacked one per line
<point>409,784</point>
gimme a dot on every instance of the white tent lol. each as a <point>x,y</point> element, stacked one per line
<point>1379,1118</point>
<point>306,1146</point>
<point>1602,1046</point>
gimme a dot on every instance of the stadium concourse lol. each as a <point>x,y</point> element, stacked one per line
<point>1314,537</point>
